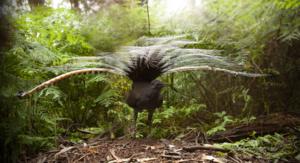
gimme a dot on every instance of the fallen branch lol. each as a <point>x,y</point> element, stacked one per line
<point>129,159</point>
<point>194,148</point>
<point>82,157</point>
<point>64,150</point>
<point>112,152</point>
<point>186,160</point>
<point>263,125</point>
<point>171,156</point>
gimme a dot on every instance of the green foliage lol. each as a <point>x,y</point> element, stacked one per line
<point>288,4</point>
<point>56,29</point>
<point>114,26</point>
<point>271,147</point>
<point>24,121</point>
<point>84,106</point>
<point>36,143</point>
<point>257,34</point>
<point>47,37</point>
<point>171,121</point>
<point>220,123</point>
<point>223,120</point>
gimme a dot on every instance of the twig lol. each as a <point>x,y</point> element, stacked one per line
<point>146,159</point>
<point>119,161</point>
<point>64,150</point>
<point>82,157</point>
<point>235,160</point>
<point>187,160</point>
<point>173,153</point>
<point>171,156</point>
<point>67,156</point>
<point>194,148</point>
<point>128,159</point>
<point>197,138</point>
<point>134,155</point>
<point>112,152</point>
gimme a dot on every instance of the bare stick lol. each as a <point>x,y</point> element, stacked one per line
<point>113,153</point>
<point>194,148</point>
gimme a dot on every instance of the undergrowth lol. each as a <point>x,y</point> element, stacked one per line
<point>269,147</point>
<point>262,35</point>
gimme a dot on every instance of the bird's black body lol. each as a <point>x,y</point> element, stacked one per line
<point>145,91</point>
<point>145,95</point>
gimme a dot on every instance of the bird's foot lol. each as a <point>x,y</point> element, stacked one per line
<point>149,132</point>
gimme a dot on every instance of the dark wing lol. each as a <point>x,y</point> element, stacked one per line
<point>144,96</point>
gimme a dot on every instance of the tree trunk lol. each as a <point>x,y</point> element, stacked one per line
<point>75,4</point>
<point>148,15</point>
<point>36,3</point>
<point>143,2</point>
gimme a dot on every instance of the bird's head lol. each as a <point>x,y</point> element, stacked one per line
<point>157,84</point>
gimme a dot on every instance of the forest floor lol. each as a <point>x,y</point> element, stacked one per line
<point>191,148</point>
<point>141,150</point>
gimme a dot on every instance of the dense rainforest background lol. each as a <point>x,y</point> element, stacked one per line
<point>261,115</point>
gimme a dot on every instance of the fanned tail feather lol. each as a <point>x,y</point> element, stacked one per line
<point>54,80</point>
<point>146,62</point>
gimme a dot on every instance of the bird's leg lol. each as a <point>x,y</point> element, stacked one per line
<point>135,115</point>
<point>149,121</point>
<point>150,115</point>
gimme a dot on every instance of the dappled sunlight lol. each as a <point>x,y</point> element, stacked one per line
<point>60,4</point>
<point>180,15</point>
<point>170,8</point>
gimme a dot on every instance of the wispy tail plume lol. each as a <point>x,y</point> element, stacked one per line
<point>22,94</point>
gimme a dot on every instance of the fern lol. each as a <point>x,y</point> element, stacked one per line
<point>271,147</point>
<point>106,98</point>
<point>220,123</point>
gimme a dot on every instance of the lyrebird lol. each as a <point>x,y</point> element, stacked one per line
<point>144,64</point>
